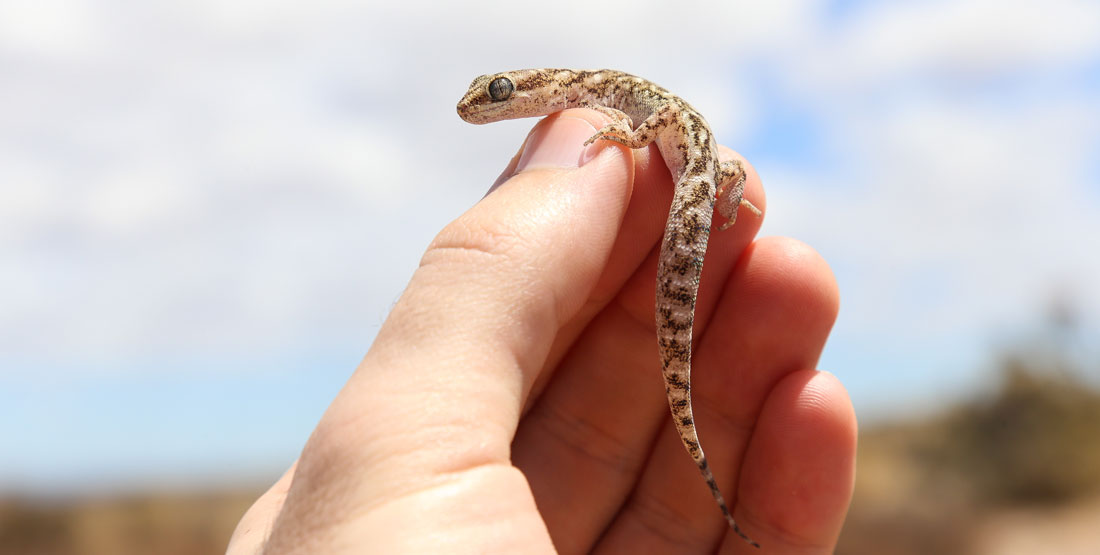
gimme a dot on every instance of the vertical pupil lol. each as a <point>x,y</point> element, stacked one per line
<point>501,88</point>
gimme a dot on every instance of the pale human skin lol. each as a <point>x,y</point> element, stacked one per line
<point>512,401</point>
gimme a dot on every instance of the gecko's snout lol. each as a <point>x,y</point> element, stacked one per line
<point>475,112</point>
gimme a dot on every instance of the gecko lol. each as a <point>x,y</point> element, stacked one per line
<point>701,181</point>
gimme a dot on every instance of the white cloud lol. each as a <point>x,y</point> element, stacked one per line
<point>131,200</point>
<point>959,160</point>
<point>50,28</point>
<point>975,39</point>
<point>203,175</point>
<point>950,219</point>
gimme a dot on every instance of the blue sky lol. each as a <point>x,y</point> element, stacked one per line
<point>207,208</point>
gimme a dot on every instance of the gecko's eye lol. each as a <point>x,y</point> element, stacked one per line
<point>501,88</point>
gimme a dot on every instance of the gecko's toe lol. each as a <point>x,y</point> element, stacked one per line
<point>604,137</point>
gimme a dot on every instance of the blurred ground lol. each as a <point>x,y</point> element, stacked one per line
<point>165,524</point>
<point>1014,471</point>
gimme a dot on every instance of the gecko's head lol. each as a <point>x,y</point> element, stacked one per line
<point>512,94</point>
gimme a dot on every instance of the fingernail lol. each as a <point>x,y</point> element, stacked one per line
<point>558,144</point>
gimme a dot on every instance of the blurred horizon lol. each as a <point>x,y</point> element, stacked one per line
<point>207,210</point>
<point>1013,470</point>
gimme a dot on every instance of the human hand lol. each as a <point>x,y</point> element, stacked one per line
<point>512,402</point>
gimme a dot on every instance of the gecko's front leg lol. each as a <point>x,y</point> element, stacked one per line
<point>620,131</point>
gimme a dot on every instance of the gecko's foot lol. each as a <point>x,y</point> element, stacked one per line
<point>730,194</point>
<point>752,207</point>
<point>614,132</point>
<point>732,219</point>
<point>601,136</point>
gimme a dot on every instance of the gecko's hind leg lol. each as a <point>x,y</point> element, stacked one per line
<point>731,190</point>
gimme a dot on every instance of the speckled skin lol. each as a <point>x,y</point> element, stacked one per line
<point>689,150</point>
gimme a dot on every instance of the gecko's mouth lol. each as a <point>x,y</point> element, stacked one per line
<point>476,113</point>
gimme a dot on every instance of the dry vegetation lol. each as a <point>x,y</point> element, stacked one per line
<point>163,524</point>
<point>1021,467</point>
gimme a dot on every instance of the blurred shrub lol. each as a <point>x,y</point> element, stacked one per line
<point>1036,441</point>
<point>1031,443</point>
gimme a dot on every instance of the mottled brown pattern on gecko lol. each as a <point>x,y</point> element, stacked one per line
<point>643,112</point>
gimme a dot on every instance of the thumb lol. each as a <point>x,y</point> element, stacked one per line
<point>438,396</point>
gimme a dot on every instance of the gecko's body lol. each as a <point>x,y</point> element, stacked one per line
<point>691,153</point>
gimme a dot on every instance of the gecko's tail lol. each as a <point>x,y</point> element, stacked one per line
<point>678,388</point>
<point>709,477</point>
